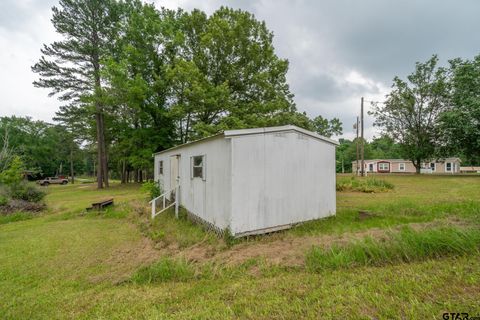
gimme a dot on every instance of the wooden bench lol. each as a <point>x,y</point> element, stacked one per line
<point>100,205</point>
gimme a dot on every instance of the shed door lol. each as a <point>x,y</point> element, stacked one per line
<point>174,172</point>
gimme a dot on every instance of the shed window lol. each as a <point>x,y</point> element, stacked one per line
<point>432,166</point>
<point>401,166</point>
<point>448,166</point>
<point>198,167</point>
<point>383,166</point>
<point>160,167</point>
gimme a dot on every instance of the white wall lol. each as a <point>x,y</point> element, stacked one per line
<point>209,199</point>
<point>279,179</point>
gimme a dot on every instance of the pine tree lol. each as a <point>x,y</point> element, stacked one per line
<point>72,67</point>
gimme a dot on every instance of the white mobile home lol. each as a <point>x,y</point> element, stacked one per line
<point>253,181</point>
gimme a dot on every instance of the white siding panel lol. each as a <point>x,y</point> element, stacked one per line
<point>279,179</point>
<point>210,198</point>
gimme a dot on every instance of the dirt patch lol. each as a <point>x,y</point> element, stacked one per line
<point>278,249</point>
<point>21,205</point>
<point>290,251</point>
<point>124,260</point>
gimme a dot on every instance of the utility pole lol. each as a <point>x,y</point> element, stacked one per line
<point>358,147</point>
<point>363,147</point>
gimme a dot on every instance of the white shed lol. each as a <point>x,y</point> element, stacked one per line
<point>253,181</point>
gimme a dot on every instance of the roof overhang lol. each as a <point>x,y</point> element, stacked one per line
<point>253,131</point>
<point>243,132</point>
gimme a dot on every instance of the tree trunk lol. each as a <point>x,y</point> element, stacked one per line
<point>104,153</point>
<point>124,178</point>
<point>72,174</point>
<point>417,165</point>
<point>99,151</point>
<point>102,175</point>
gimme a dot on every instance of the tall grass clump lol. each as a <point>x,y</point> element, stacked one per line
<point>405,246</point>
<point>164,270</point>
<point>184,232</point>
<point>368,185</point>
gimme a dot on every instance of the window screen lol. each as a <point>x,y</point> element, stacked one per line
<point>198,167</point>
<point>160,167</point>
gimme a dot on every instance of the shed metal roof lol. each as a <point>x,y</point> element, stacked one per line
<point>242,132</point>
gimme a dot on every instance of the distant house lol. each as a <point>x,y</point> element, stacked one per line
<point>447,165</point>
<point>252,181</point>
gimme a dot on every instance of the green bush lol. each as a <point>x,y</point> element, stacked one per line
<point>3,200</point>
<point>14,173</point>
<point>164,270</point>
<point>406,246</point>
<point>152,188</point>
<point>14,187</point>
<point>25,191</point>
<point>368,185</point>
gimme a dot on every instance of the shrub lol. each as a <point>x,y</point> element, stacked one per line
<point>152,188</point>
<point>164,270</point>
<point>406,246</point>
<point>26,191</point>
<point>3,200</point>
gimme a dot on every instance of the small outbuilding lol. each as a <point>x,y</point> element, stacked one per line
<point>252,181</point>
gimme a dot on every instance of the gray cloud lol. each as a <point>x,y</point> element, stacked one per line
<point>339,50</point>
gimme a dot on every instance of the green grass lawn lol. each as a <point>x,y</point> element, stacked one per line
<point>65,263</point>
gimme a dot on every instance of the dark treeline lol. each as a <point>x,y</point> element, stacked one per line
<point>46,149</point>
<point>135,79</point>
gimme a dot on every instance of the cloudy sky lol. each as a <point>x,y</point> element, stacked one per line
<point>339,50</point>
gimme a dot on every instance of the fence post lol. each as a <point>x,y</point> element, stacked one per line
<point>176,201</point>
<point>153,208</point>
<point>164,202</point>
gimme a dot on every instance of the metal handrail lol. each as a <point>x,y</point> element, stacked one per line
<point>153,202</point>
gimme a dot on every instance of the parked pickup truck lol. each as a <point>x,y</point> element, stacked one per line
<point>52,180</point>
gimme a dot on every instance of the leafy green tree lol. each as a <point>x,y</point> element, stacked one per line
<point>384,147</point>
<point>327,128</point>
<point>227,75</point>
<point>72,67</point>
<point>137,80</point>
<point>343,161</point>
<point>461,122</point>
<point>411,113</point>
<point>14,173</point>
<point>6,153</point>
<point>43,147</point>
<point>136,87</point>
